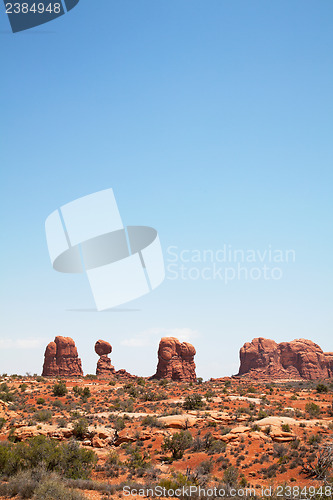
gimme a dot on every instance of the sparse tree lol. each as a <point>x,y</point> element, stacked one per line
<point>321,467</point>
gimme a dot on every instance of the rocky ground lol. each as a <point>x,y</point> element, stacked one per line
<point>229,431</point>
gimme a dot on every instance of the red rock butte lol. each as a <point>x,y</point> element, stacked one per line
<point>298,359</point>
<point>61,359</point>
<point>104,366</point>
<point>175,360</point>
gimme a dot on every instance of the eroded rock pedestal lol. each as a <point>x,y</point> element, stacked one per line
<point>175,360</point>
<point>61,359</point>
<point>298,359</point>
<point>104,366</point>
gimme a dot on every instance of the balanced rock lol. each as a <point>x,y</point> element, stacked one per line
<point>299,359</point>
<point>175,360</point>
<point>104,366</point>
<point>61,359</point>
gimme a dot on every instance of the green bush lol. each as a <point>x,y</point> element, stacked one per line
<point>217,446</point>
<point>178,443</point>
<point>230,476</point>
<point>193,402</point>
<point>151,421</point>
<point>5,393</point>
<point>315,439</point>
<point>52,489</point>
<point>137,459</point>
<point>59,389</point>
<point>80,428</point>
<point>43,416</point>
<point>321,388</point>
<point>312,409</point>
<point>68,459</point>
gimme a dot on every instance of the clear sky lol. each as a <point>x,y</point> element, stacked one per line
<point>212,122</point>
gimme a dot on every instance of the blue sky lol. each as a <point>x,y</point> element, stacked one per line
<point>212,122</point>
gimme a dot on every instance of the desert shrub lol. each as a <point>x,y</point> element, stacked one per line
<point>205,468</point>
<point>89,484</point>
<point>132,391</point>
<point>80,428</point>
<point>126,405</point>
<point>312,409</point>
<point>83,392</point>
<point>261,414</point>
<point>141,381</point>
<point>86,393</point>
<point>152,422</point>
<point>40,401</point>
<point>280,450</point>
<point>209,395</point>
<point>36,484</point>
<point>119,423</point>
<point>178,443</point>
<point>153,396</point>
<point>177,481</point>
<point>295,444</point>
<point>321,467</point>
<point>285,427</point>
<point>138,459</point>
<point>270,471</point>
<point>2,422</point>
<point>198,444</point>
<point>113,458</point>
<point>62,422</point>
<point>216,446</point>
<point>68,459</point>
<point>76,462</point>
<point>315,439</point>
<point>321,388</point>
<point>6,394</point>
<point>193,402</point>
<point>53,489</point>
<point>24,483</point>
<point>230,476</point>
<point>163,382</point>
<point>43,416</point>
<point>59,389</point>
<point>58,404</point>
<point>225,430</point>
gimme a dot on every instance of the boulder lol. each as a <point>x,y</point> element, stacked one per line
<point>103,348</point>
<point>178,421</point>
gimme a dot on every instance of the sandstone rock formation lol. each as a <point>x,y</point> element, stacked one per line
<point>61,359</point>
<point>299,359</point>
<point>175,360</point>
<point>104,367</point>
